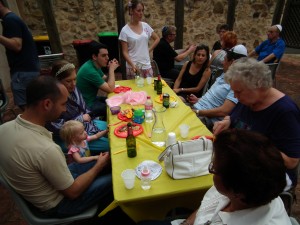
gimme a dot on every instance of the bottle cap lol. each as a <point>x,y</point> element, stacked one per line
<point>145,171</point>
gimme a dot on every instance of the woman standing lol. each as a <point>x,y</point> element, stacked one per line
<point>65,72</point>
<point>134,39</point>
<point>194,74</point>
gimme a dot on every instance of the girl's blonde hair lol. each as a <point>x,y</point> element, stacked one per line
<point>69,130</point>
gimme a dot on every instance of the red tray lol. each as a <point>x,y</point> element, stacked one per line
<point>124,134</point>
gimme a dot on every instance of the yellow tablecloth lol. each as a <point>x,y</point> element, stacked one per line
<point>165,193</point>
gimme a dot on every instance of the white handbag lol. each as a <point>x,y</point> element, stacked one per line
<point>187,159</point>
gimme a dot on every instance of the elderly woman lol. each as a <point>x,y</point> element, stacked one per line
<point>76,109</point>
<point>249,175</point>
<point>263,109</point>
<point>194,74</point>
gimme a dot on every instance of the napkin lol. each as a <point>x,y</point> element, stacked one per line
<point>155,169</point>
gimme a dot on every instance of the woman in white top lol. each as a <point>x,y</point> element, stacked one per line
<point>134,39</point>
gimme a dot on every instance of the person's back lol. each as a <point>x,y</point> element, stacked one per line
<point>21,53</point>
<point>27,58</point>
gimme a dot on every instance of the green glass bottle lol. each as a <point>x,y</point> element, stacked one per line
<point>159,86</point>
<point>130,142</point>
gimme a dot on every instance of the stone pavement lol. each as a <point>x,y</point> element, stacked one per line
<point>287,81</point>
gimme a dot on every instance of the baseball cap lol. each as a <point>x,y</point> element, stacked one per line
<point>237,52</point>
<point>279,27</point>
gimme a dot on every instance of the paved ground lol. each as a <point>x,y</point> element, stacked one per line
<point>287,80</point>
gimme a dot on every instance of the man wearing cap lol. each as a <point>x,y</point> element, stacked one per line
<point>272,49</point>
<point>219,100</point>
<point>164,54</point>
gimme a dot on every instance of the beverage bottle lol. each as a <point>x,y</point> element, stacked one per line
<point>159,85</point>
<point>145,178</point>
<point>148,110</point>
<point>130,142</point>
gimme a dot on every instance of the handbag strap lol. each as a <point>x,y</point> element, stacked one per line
<point>180,148</point>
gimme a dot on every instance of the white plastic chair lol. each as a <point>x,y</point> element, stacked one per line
<point>33,219</point>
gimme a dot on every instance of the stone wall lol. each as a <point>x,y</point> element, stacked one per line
<point>84,19</point>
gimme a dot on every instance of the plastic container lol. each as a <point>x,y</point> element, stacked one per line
<point>110,39</point>
<point>82,50</point>
<point>42,45</point>
<point>145,178</point>
<point>138,116</point>
<point>148,110</point>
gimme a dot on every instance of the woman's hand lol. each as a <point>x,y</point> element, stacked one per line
<point>221,125</point>
<point>86,118</point>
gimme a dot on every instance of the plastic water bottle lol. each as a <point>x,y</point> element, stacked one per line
<point>145,178</point>
<point>148,110</point>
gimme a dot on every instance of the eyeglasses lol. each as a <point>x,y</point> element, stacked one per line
<point>211,168</point>
<point>172,34</point>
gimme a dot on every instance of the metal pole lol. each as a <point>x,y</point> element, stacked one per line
<point>49,17</point>
<point>179,22</point>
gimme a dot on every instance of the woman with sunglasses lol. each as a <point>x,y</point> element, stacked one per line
<point>248,174</point>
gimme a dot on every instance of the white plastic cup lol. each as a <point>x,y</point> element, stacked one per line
<point>128,176</point>
<point>149,80</point>
<point>140,82</point>
<point>184,130</point>
<point>171,139</point>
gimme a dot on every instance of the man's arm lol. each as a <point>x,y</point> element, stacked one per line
<point>253,54</point>
<point>220,111</point>
<point>109,86</point>
<point>82,182</point>
<point>14,44</point>
<point>269,58</point>
<point>186,52</point>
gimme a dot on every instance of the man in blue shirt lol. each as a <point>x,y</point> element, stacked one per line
<point>21,53</point>
<point>272,49</point>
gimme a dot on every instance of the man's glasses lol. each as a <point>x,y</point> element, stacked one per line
<point>172,34</point>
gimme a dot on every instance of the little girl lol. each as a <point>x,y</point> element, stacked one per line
<point>76,138</point>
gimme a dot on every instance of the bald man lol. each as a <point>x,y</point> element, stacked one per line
<point>272,49</point>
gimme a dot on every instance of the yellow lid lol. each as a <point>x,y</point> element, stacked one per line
<point>41,38</point>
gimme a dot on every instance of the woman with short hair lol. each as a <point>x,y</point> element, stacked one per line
<point>264,109</point>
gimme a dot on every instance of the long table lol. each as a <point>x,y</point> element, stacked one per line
<point>165,193</point>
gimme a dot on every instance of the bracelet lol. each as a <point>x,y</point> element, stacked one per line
<point>197,111</point>
<point>182,89</point>
<point>185,222</point>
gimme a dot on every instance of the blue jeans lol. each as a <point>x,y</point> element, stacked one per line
<point>99,192</point>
